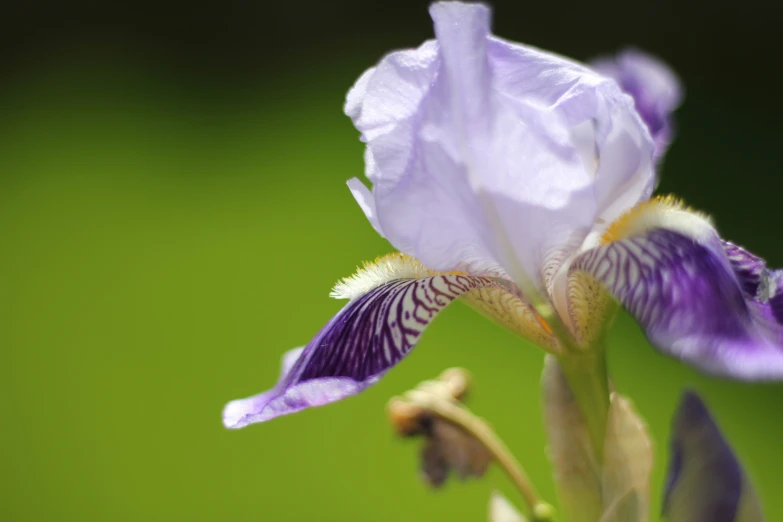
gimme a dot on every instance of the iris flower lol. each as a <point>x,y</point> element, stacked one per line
<point>520,182</point>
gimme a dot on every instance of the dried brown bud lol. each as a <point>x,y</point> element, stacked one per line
<point>448,448</point>
<point>405,417</point>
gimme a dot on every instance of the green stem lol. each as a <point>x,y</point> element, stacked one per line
<point>587,376</point>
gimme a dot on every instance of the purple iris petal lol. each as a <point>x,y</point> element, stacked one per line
<point>365,339</point>
<point>775,303</point>
<point>655,88</point>
<point>486,153</point>
<point>749,268</point>
<point>705,481</point>
<point>693,303</point>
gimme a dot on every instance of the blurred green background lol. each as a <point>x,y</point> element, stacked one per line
<point>173,215</point>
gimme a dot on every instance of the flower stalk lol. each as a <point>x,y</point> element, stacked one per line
<point>441,399</point>
<point>587,377</point>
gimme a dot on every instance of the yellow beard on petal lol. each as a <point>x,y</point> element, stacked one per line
<point>494,302</point>
<point>661,211</point>
<point>376,273</point>
<point>590,307</point>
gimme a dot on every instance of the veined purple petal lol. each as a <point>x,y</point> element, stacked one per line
<point>749,268</point>
<point>235,411</point>
<point>774,295</point>
<point>655,88</point>
<point>705,482</point>
<point>762,288</point>
<point>372,333</point>
<point>693,301</point>
<point>487,153</point>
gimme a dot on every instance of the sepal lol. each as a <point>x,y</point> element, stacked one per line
<point>391,303</point>
<point>699,299</point>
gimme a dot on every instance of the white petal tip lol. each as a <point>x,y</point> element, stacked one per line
<point>457,12</point>
<point>234,414</point>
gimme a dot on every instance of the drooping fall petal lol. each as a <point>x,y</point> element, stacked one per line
<point>392,302</point>
<point>697,298</point>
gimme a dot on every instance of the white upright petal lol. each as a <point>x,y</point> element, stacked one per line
<point>484,153</point>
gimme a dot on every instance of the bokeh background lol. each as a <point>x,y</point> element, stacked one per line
<point>173,214</point>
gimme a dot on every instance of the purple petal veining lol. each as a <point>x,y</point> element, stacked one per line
<point>694,302</point>
<point>362,342</point>
<point>749,268</point>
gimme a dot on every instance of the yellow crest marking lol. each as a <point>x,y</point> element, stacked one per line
<point>590,306</point>
<point>661,211</point>
<point>495,302</point>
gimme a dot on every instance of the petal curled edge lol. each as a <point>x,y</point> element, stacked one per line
<point>670,270</point>
<point>372,333</point>
<point>483,152</point>
<point>705,481</point>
